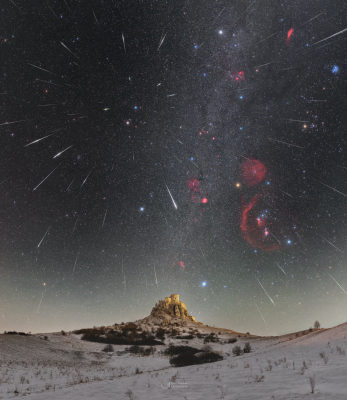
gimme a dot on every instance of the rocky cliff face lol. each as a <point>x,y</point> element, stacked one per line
<point>172,307</point>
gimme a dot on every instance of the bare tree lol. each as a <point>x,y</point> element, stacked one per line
<point>316,325</point>
<point>312,381</point>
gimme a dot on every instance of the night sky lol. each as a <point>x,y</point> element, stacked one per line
<point>191,147</point>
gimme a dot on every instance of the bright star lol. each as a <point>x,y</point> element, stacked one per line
<point>335,69</point>
<point>142,208</point>
<point>203,284</point>
<point>289,241</point>
<point>220,32</point>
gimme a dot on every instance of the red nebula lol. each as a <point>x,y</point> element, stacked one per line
<point>193,184</point>
<point>253,232</point>
<point>241,75</point>
<point>180,264</point>
<point>253,172</point>
<point>204,200</point>
<point>289,34</point>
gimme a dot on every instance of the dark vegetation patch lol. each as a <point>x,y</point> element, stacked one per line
<point>16,333</point>
<point>188,358</point>
<point>175,350</point>
<point>118,339</point>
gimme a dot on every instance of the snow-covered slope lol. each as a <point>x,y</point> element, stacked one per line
<point>64,367</point>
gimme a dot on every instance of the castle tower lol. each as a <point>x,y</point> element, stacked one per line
<point>175,298</point>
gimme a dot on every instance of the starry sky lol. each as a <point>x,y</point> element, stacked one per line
<point>192,147</point>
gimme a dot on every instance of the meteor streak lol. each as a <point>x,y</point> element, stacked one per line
<point>46,177</point>
<point>337,283</point>
<point>68,49</point>
<point>161,42</point>
<point>261,314</point>
<point>43,69</point>
<point>43,237</point>
<point>331,188</point>
<point>279,141</point>
<point>37,140</point>
<point>75,264</point>
<point>173,201</point>
<point>124,43</point>
<point>280,267</point>
<point>14,122</point>
<point>264,290</point>
<point>104,218</point>
<point>335,34</point>
<point>330,243</point>
<point>57,155</point>
<point>38,308</point>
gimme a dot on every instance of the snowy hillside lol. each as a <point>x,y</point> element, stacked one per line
<point>65,367</point>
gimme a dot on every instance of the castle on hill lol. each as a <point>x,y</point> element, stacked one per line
<point>173,307</point>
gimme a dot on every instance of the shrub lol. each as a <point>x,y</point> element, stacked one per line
<point>316,325</point>
<point>247,348</point>
<point>209,357</point>
<point>189,358</point>
<point>136,349</point>
<point>237,351</point>
<point>312,382</point>
<point>184,359</point>
<point>175,350</point>
<point>108,348</point>
<point>137,371</point>
<point>63,333</point>
<point>45,337</point>
<point>119,338</point>
<point>160,333</point>
<point>233,340</point>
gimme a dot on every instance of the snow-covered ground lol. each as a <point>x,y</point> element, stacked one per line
<point>64,367</point>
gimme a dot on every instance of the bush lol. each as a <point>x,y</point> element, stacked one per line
<point>237,351</point>
<point>116,339</point>
<point>63,333</point>
<point>189,358</point>
<point>247,348</point>
<point>209,357</point>
<point>233,340</point>
<point>175,350</point>
<point>316,325</point>
<point>160,333</point>
<point>108,348</point>
<point>184,359</point>
<point>45,337</point>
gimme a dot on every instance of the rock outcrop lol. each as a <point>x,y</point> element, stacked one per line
<point>173,307</point>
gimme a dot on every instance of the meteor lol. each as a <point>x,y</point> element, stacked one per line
<point>279,141</point>
<point>68,49</point>
<point>280,267</point>
<point>264,290</point>
<point>46,177</point>
<point>337,283</point>
<point>57,155</point>
<point>37,140</point>
<point>173,201</point>
<point>331,188</point>
<point>43,69</point>
<point>335,34</point>
<point>43,237</point>
<point>75,263</point>
<point>124,43</point>
<point>261,314</point>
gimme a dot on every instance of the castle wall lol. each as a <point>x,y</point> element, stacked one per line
<point>175,298</point>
